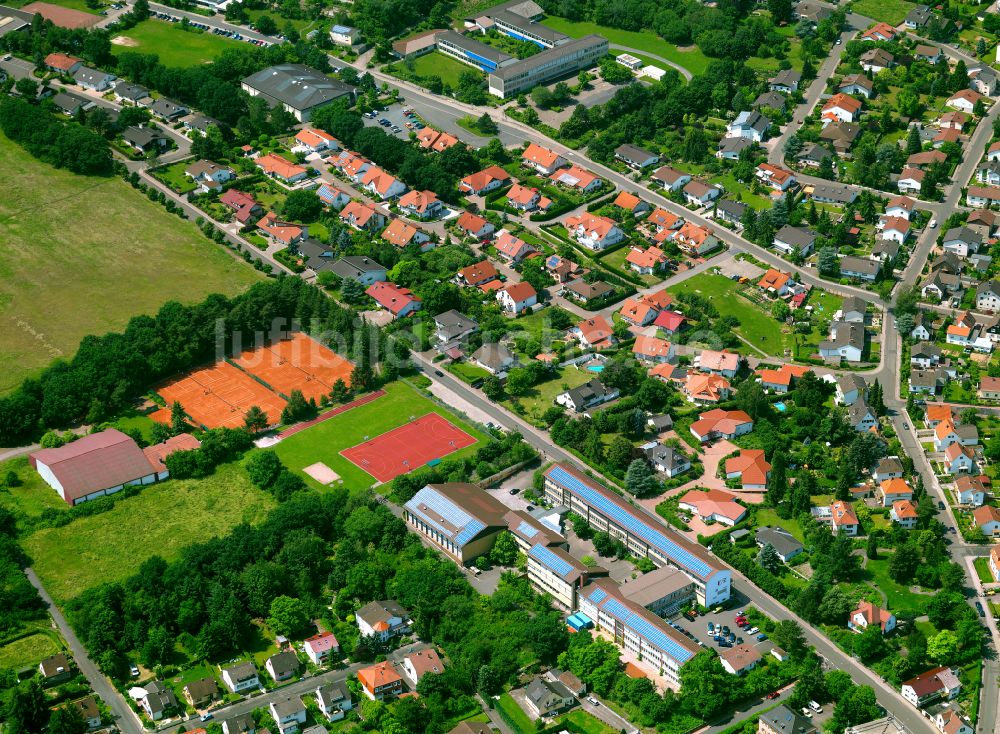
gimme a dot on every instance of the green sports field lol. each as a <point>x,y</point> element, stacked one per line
<point>81,255</point>
<point>324,441</point>
<point>174,45</point>
<point>160,520</point>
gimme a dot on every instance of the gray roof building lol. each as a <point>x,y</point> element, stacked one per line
<point>783,720</point>
<point>357,267</point>
<point>862,266</point>
<point>774,100</point>
<point>12,19</point>
<point>796,236</point>
<point>453,325</point>
<point>89,77</point>
<point>70,103</point>
<point>783,542</point>
<point>131,92</point>
<point>586,395</point>
<point>168,109</point>
<point>142,137</point>
<point>786,78</point>
<point>298,88</point>
<point>734,146</point>
<point>494,357</point>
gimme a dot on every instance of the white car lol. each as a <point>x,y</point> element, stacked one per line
<point>593,700</point>
<point>753,630</point>
<point>933,224</point>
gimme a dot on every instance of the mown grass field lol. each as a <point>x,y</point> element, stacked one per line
<point>324,441</point>
<point>33,496</point>
<point>174,45</point>
<point>27,651</point>
<point>81,255</point>
<point>647,42</point>
<point>161,520</point>
<point>437,64</point>
<point>889,11</point>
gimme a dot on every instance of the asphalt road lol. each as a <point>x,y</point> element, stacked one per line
<point>125,718</point>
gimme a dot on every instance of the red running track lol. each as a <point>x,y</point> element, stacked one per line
<point>408,447</point>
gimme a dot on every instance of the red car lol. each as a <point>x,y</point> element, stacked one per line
<point>773,694</point>
<point>741,620</point>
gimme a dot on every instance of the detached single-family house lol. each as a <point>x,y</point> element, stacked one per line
<point>200,693</point>
<point>635,157</point>
<point>935,684</point>
<point>380,681</point>
<point>384,619</point>
<point>719,423</point>
<point>241,677</point>
<point>209,175</point>
<point>586,396</point>
<point>867,614</point>
<point>512,249</point>
<point>751,468</point>
<point>972,491</point>
<point>964,100</point>
<point>910,179</point>
<point>783,542</point>
<point>55,668</point>
<point>333,700</point>
<point>485,181</point>
<point>282,666</point>
<point>547,698</point>
<point>95,79</point>
<point>289,713</point>
<point>786,80</point>
<point>739,659</point>
<point>842,107</point>
<point>89,712</point>
<point>876,60</point>
<point>670,178</point>
<point>958,459</point>
<point>542,160</point>
<point>420,204</point>
<point>516,298</point>
<point>362,216</point>
<point>904,513</point>
<point>666,459</point>
<point>158,699</point>
<point>791,240</point>
<point>880,32</point>
<point>713,505</point>
<point>62,63</point>
<point>843,519</point>
<point>474,226</point>
<point>987,519</point>
<point>495,358</point>
<point>594,232</point>
<point>750,125</point>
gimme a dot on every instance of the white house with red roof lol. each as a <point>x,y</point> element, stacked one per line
<point>527,198</point>
<point>959,459</point>
<point>842,107</point>
<point>713,505</point>
<point>515,298</point>
<point>475,226</point>
<point>778,178</point>
<point>652,349</point>
<point>776,283</point>
<point>402,234</point>
<point>722,363</point>
<point>321,648</point>
<point>987,519</point>
<point>719,423</point>
<point>994,562</point>
<point>780,380</point>
<point>400,302</point>
<point>512,249</point>
<point>880,32</point>
<point>843,518</point>
<point>351,165</point>
<point>866,614</point>
<point>910,180</point>
<point>594,231</point>
<point>932,685</point>
<point>275,166</point>
<point>363,216</point>
<point>485,181</point>
<point>896,229</point>
<point>638,311</point>
<point>314,140</point>
<point>541,159</point>
<point>900,206</point>
<point>904,512</point>
<point>420,204</point>
<point>421,662</point>
<point>281,232</point>
<point>62,63</point>
<point>578,178</point>
<point>646,262</point>
<point>950,721</point>
<point>964,100</point>
<point>707,389</point>
<point>594,333</point>
<point>382,184</point>
<point>751,468</point>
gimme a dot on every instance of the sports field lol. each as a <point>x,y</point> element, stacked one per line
<point>81,255</point>
<point>298,363</point>
<point>408,447</point>
<point>219,396</point>
<point>325,441</point>
<point>161,520</point>
<point>174,45</point>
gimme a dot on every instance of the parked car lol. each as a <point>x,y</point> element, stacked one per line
<point>979,608</point>
<point>515,490</point>
<point>753,630</point>
<point>593,701</point>
<point>133,671</point>
<point>761,637</point>
<point>940,505</point>
<point>207,716</point>
<point>773,695</point>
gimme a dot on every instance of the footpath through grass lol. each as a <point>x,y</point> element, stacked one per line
<point>161,520</point>
<point>648,42</point>
<point>174,45</point>
<point>324,441</point>
<point>82,255</point>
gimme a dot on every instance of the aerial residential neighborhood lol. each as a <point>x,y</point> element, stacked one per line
<point>499,368</point>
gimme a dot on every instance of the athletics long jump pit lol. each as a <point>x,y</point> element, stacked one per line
<point>408,447</point>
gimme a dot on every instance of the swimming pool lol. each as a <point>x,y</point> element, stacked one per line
<point>780,407</point>
<point>595,367</point>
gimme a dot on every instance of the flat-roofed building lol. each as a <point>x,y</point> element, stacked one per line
<point>642,535</point>
<point>525,29</point>
<point>553,571</point>
<point>662,591</point>
<point>642,634</point>
<point>461,519</point>
<point>563,60</point>
<point>472,52</point>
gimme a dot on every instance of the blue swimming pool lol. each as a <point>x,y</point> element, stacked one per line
<point>780,406</point>
<point>595,367</point>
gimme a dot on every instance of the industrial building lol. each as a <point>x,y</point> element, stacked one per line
<point>642,535</point>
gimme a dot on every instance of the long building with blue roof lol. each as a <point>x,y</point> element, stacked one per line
<point>644,536</point>
<point>460,519</point>
<point>553,571</point>
<point>644,636</point>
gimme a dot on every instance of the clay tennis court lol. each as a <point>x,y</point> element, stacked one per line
<point>219,396</point>
<point>298,363</point>
<point>62,17</point>
<point>408,447</point>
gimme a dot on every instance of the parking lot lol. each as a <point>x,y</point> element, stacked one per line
<point>394,115</point>
<point>209,28</point>
<point>698,630</point>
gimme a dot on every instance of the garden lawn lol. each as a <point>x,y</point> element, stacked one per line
<point>890,11</point>
<point>174,45</point>
<point>587,723</point>
<point>541,397</point>
<point>438,64</point>
<point>33,496</point>
<point>27,651</point>
<point>81,255</point>
<point>648,42</point>
<point>757,327</point>
<point>522,724</point>
<point>901,599</point>
<point>983,570</point>
<point>468,372</point>
<point>161,520</point>
<point>769,518</point>
<point>324,441</point>
<point>175,177</point>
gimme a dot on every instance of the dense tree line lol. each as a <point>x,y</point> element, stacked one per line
<point>66,145</point>
<point>108,372</point>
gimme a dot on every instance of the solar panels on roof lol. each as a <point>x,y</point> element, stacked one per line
<point>611,509</point>
<point>550,560</point>
<point>451,520</point>
<point>527,529</point>
<point>597,595</point>
<point>643,627</point>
